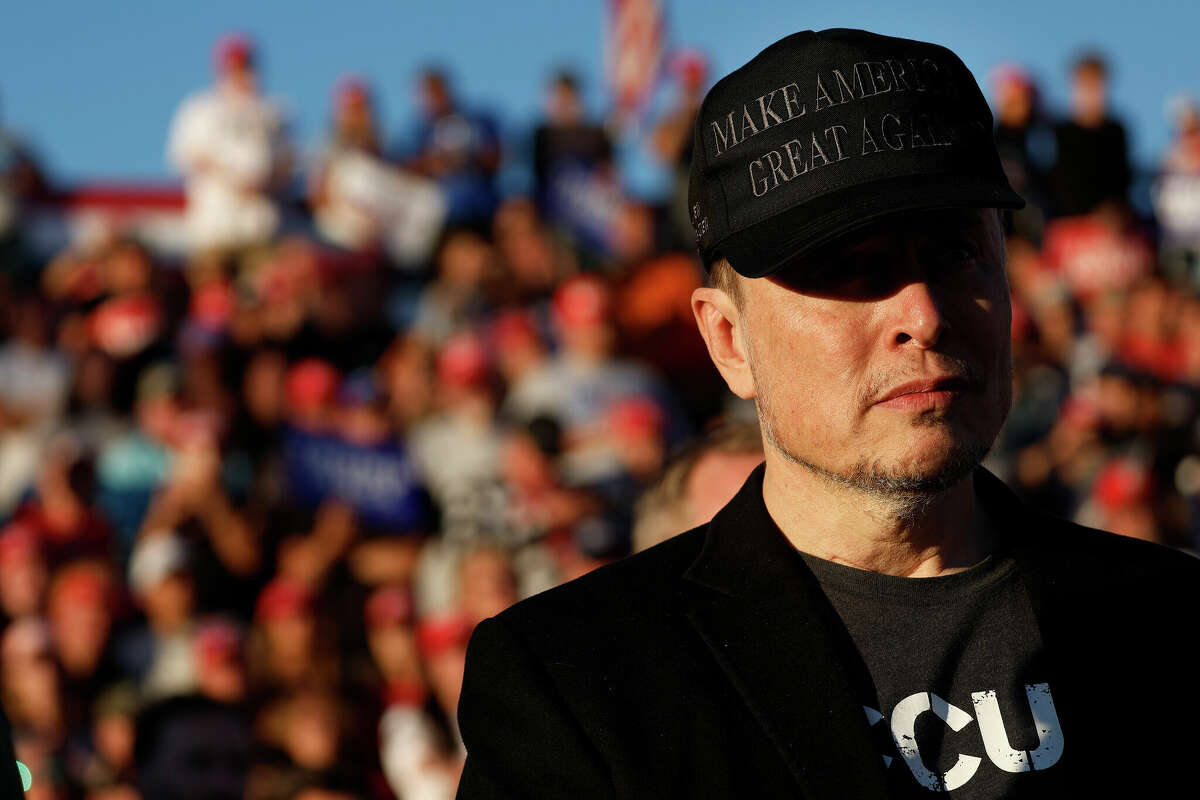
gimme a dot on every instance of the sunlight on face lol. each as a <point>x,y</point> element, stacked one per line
<point>882,361</point>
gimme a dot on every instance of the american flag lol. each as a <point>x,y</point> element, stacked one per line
<point>636,40</point>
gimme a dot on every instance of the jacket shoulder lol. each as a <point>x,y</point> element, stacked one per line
<point>638,590</point>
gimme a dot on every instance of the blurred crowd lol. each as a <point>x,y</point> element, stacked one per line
<point>254,500</point>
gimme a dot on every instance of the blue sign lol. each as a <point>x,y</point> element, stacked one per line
<point>378,482</point>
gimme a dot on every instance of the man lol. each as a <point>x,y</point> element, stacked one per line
<point>230,144</point>
<point>459,149</point>
<point>872,615</point>
<point>1092,155</point>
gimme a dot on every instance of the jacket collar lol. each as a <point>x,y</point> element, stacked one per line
<point>768,625</point>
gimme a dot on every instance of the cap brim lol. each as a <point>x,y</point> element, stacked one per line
<point>769,245</point>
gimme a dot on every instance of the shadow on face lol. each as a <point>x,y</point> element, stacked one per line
<point>879,259</point>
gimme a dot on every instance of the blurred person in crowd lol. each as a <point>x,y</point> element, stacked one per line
<point>455,299</point>
<point>584,380</point>
<point>1091,165</point>
<point>32,683</point>
<point>537,495</point>
<point>106,769</point>
<point>309,560</point>
<point>1151,341</point>
<point>221,660</point>
<point>224,547</point>
<point>697,482</point>
<point>136,463</point>
<point>192,748</point>
<point>92,418</point>
<point>158,654</point>
<point>653,313</point>
<point>231,146</point>
<point>459,149</point>
<point>406,371</point>
<point>82,607</point>
<point>671,137</point>
<point>361,202</point>
<point>1121,500</point>
<point>1176,195</point>
<point>354,137</point>
<point>279,292</point>
<point>774,651</point>
<point>1101,251</point>
<point>286,650</point>
<point>261,407</point>
<point>532,260</point>
<point>442,639</point>
<point>310,392</point>
<point>30,690</point>
<point>21,180</point>
<point>517,345</point>
<point>389,615</point>
<point>1022,139</point>
<point>486,583</point>
<point>61,510</point>
<point>34,383</point>
<point>305,729</point>
<point>565,139</point>
<point>24,573</point>
<point>458,446</point>
<point>130,318</point>
<point>412,750</point>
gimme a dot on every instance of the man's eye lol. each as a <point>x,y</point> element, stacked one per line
<point>954,254</point>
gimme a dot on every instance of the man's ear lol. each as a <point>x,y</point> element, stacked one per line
<point>720,323</point>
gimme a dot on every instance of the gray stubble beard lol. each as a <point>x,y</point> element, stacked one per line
<point>907,497</point>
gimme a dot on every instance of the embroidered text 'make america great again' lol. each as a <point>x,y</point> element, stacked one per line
<point>863,79</point>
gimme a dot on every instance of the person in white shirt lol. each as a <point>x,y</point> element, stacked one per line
<point>230,144</point>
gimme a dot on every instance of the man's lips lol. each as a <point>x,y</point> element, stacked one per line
<point>924,392</point>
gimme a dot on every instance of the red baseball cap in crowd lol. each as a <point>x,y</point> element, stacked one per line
<point>436,635</point>
<point>388,606</point>
<point>463,361</point>
<point>82,584</point>
<point>635,417</point>
<point>311,384</point>
<point>233,51</point>
<point>1122,482</point>
<point>351,90</point>
<point>218,641</point>
<point>689,66</point>
<point>281,599</point>
<point>18,544</point>
<point>582,300</point>
<point>513,329</point>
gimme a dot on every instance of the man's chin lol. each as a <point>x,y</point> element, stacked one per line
<point>928,473</point>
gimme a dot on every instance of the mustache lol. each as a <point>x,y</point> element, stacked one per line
<point>945,366</point>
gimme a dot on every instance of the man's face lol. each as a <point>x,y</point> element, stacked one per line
<point>882,361</point>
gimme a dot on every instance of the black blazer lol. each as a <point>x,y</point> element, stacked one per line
<point>706,667</point>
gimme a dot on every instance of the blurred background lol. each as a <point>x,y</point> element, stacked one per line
<point>327,333</point>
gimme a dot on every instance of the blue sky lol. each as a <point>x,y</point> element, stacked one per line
<point>93,84</point>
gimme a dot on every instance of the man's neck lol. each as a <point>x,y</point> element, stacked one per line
<point>860,529</point>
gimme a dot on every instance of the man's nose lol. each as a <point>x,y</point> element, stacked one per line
<point>917,315</point>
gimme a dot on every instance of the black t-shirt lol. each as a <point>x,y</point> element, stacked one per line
<point>945,671</point>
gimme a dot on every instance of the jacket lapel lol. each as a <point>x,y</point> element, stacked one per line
<point>765,621</point>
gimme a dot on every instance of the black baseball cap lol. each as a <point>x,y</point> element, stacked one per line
<point>826,131</point>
